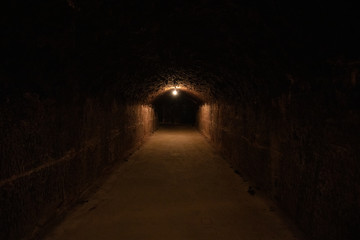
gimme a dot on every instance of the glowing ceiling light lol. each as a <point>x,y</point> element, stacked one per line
<point>174,92</point>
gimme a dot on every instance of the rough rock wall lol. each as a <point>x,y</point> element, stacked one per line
<point>50,153</point>
<point>301,147</point>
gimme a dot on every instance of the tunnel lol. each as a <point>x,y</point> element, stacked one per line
<point>272,88</point>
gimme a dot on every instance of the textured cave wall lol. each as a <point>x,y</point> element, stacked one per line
<point>301,148</point>
<point>51,152</point>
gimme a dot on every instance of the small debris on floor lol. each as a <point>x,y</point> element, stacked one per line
<point>90,209</point>
<point>237,172</point>
<point>251,190</point>
<point>82,201</point>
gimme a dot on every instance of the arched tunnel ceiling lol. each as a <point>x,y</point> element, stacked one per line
<point>136,50</point>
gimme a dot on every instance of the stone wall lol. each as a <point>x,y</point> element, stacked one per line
<point>51,152</point>
<point>301,148</point>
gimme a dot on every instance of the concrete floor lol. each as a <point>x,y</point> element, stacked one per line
<point>175,187</point>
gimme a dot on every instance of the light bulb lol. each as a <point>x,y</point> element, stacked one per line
<point>174,92</point>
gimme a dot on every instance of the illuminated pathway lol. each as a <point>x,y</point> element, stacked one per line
<point>174,187</point>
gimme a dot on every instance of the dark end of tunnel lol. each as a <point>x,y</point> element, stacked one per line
<point>176,109</point>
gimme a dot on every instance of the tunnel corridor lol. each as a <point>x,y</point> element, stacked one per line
<point>271,91</point>
<point>174,187</point>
